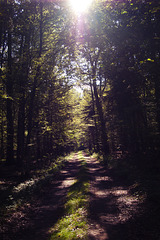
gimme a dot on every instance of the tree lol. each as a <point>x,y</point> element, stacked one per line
<point>35,89</point>
<point>112,51</point>
<point>9,89</point>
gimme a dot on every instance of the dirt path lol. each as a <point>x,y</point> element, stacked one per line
<point>112,208</point>
<point>114,213</point>
<point>33,220</point>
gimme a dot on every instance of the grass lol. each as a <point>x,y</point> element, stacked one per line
<point>17,195</point>
<point>73,225</point>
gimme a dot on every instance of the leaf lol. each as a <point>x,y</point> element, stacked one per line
<point>150,60</point>
<point>124,12</point>
<point>7,97</point>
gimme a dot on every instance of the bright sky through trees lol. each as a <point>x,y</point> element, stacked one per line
<point>80,6</point>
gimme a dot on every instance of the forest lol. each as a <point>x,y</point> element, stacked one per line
<point>84,80</point>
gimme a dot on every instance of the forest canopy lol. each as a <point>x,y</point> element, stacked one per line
<point>47,52</point>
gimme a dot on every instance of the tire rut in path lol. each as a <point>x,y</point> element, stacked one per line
<point>33,220</point>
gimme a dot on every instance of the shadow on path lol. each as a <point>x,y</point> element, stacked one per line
<point>114,213</point>
<point>34,219</point>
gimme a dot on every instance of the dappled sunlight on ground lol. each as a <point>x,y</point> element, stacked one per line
<point>97,232</point>
<point>114,212</point>
<point>33,219</point>
<point>67,182</point>
<point>111,203</point>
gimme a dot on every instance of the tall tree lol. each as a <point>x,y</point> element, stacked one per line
<point>9,88</point>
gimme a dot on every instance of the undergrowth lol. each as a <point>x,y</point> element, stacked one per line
<point>21,193</point>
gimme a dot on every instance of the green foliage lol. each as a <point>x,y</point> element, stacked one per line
<point>114,57</point>
<point>77,129</point>
<point>41,84</point>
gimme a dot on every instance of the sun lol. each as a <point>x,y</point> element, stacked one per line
<point>80,6</point>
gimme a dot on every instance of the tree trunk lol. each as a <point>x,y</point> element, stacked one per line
<point>20,132</point>
<point>95,122</point>
<point>104,138</point>
<point>21,112</point>
<point>33,92</point>
<point>9,90</point>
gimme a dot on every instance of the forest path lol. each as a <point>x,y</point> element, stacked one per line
<point>112,208</point>
<point>111,213</point>
<point>34,219</point>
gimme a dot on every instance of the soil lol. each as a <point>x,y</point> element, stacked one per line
<point>34,219</point>
<point>111,205</point>
<point>114,213</point>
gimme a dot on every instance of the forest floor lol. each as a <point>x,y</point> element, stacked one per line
<point>114,211</point>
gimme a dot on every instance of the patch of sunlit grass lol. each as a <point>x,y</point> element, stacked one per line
<point>97,156</point>
<point>73,225</point>
<point>77,196</point>
<point>80,155</point>
<point>70,156</point>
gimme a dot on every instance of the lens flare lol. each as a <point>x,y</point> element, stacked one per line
<point>80,6</point>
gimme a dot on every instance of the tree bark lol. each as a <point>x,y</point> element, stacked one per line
<point>104,138</point>
<point>21,111</point>
<point>33,92</point>
<point>95,122</point>
<point>21,130</point>
<point>9,90</point>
